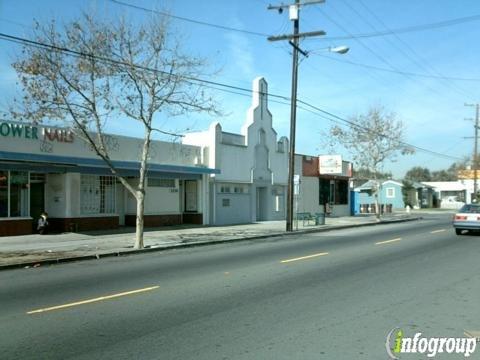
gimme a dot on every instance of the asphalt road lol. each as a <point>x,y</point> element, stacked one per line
<point>331,295</point>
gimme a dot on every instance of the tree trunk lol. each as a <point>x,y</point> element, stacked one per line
<point>139,224</point>
<point>141,188</point>
<point>377,205</point>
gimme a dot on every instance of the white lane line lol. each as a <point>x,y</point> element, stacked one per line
<point>437,231</point>
<point>304,257</point>
<point>101,298</point>
<point>388,241</point>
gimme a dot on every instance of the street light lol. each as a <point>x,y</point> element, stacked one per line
<point>334,49</point>
<point>339,49</point>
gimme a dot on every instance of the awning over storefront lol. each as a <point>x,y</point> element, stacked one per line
<point>63,164</point>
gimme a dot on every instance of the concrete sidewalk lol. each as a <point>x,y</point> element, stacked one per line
<point>36,250</point>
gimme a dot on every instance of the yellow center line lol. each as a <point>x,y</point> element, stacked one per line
<point>437,231</point>
<point>101,298</point>
<point>388,241</point>
<point>304,257</point>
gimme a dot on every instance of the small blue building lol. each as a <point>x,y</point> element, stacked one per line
<point>390,196</point>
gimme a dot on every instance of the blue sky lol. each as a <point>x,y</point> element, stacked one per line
<point>377,70</point>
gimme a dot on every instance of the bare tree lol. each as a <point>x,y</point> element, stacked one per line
<point>372,139</point>
<point>91,71</point>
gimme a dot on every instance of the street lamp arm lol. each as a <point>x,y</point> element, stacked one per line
<point>304,53</point>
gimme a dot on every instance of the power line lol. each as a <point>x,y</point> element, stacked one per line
<point>358,127</point>
<point>223,86</point>
<point>75,53</point>
<point>420,62</point>
<point>190,20</point>
<point>373,52</point>
<point>447,149</point>
<point>393,32</point>
<point>326,115</point>
<point>400,72</point>
<point>406,29</point>
<point>13,22</point>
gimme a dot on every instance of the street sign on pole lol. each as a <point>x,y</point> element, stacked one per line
<point>296,184</point>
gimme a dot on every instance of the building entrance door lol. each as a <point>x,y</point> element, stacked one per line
<point>191,196</point>
<point>261,204</point>
<point>37,201</point>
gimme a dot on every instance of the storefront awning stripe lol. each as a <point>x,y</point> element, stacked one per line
<point>69,163</point>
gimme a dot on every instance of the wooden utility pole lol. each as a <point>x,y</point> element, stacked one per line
<point>475,155</point>
<point>294,14</point>
<point>475,152</point>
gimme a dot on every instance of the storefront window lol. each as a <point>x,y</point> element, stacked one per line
<point>324,191</point>
<point>333,191</point>
<point>14,193</point>
<point>3,193</point>
<point>18,193</point>
<point>341,192</point>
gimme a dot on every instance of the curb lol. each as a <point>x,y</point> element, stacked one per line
<point>194,244</point>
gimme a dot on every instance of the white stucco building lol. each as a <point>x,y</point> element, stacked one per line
<point>251,185</point>
<point>453,194</point>
<point>51,169</point>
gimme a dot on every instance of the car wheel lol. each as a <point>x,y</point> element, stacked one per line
<point>458,231</point>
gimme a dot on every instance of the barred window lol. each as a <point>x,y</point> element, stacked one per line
<point>97,194</point>
<point>165,183</point>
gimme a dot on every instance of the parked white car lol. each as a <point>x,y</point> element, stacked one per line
<point>451,202</point>
<point>467,218</point>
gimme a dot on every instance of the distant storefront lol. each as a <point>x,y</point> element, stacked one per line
<point>50,169</point>
<point>453,194</point>
<point>323,187</point>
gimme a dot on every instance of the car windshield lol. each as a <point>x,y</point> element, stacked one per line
<point>473,209</point>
